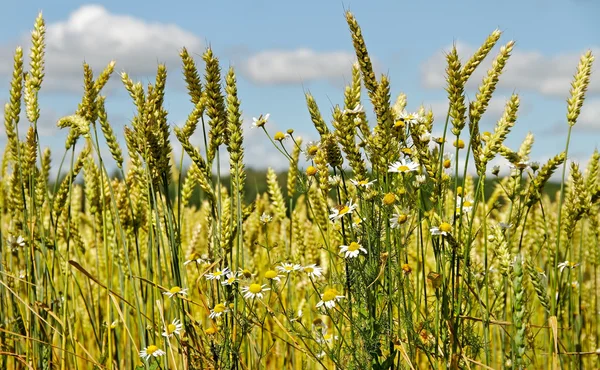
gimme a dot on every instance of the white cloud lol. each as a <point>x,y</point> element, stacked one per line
<point>590,114</point>
<point>526,70</point>
<point>96,36</point>
<point>297,66</point>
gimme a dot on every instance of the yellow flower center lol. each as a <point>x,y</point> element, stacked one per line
<point>312,150</point>
<point>363,182</point>
<point>171,328</point>
<point>467,203</point>
<point>271,274</point>
<point>151,349</point>
<point>406,151</point>
<point>329,295</point>
<point>288,268</point>
<point>255,288</point>
<point>403,168</point>
<point>231,280</point>
<point>399,123</point>
<point>459,144</point>
<point>309,269</point>
<point>279,136</point>
<point>217,273</point>
<point>446,227</point>
<point>354,246</point>
<point>343,210</point>
<point>447,163</point>
<point>389,198</point>
<point>402,218</point>
<point>311,171</point>
<point>327,336</point>
<point>219,308</point>
<point>175,290</point>
<point>247,273</point>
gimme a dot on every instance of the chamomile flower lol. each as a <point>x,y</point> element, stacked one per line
<point>218,310</point>
<point>352,250</point>
<point>313,270</point>
<point>231,278</point>
<point>425,137</point>
<point>334,180</point>
<point>175,327</point>
<point>312,147</point>
<point>151,351</point>
<point>409,118</point>
<point>260,121</point>
<point>397,219</point>
<point>254,291</point>
<point>195,257</point>
<point>447,162</point>
<point>273,275</point>
<point>467,205</point>
<point>561,266</point>
<point>288,267</point>
<point>218,274</point>
<point>15,243</point>
<point>342,210</point>
<point>329,298</point>
<point>175,291</point>
<point>357,109</point>
<point>443,229</point>
<point>363,183</point>
<point>265,218</point>
<point>403,166</point>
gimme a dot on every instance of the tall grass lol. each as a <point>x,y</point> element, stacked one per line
<point>383,252</point>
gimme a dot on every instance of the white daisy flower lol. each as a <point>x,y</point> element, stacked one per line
<point>357,109</point>
<point>409,118</point>
<point>397,219</point>
<point>334,180</point>
<point>175,327</point>
<point>363,183</point>
<point>342,210</point>
<point>195,257</point>
<point>218,274</point>
<point>313,270</point>
<point>467,205</point>
<point>329,297</point>
<point>15,243</point>
<point>561,266</point>
<point>218,310</point>
<point>151,351</point>
<point>312,147</point>
<point>425,137</point>
<point>265,218</point>
<point>447,162</point>
<point>403,166</point>
<point>254,291</point>
<point>443,229</point>
<point>288,267</point>
<point>352,250</point>
<point>175,291</point>
<point>260,121</point>
<point>504,225</point>
<point>232,277</point>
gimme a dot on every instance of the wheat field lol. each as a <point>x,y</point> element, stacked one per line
<point>380,250</point>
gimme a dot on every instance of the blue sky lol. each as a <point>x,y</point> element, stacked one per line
<point>280,49</point>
